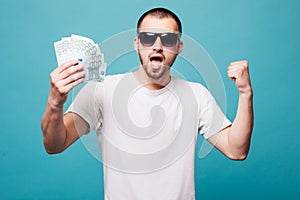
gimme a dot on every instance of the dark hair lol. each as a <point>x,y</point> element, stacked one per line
<point>160,13</point>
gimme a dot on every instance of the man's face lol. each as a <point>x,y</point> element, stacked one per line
<point>157,58</point>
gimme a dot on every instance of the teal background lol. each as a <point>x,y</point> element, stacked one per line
<point>265,32</point>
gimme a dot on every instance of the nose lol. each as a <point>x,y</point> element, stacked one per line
<point>157,45</point>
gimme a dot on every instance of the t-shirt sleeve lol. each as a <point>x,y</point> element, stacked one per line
<point>87,104</point>
<point>211,117</point>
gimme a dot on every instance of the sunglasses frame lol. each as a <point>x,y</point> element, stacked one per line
<point>161,36</point>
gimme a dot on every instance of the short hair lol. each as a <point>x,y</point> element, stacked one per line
<point>160,13</point>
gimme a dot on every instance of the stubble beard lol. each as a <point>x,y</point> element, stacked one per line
<point>155,74</point>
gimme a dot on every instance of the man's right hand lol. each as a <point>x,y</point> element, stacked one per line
<point>64,78</point>
<point>59,130</point>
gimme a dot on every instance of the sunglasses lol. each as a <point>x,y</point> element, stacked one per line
<point>147,39</point>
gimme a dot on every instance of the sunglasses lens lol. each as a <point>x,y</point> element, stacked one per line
<point>169,39</point>
<point>147,39</point>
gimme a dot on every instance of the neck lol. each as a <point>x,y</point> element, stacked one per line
<point>150,83</point>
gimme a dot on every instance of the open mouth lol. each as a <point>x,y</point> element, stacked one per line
<point>156,61</point>
<point>156,58</point>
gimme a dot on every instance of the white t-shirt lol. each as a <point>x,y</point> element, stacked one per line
<point>148,137</point>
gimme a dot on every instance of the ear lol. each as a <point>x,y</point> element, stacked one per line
<point>136,43</point>
<point>180,47</point>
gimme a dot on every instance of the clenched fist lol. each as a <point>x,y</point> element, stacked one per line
<point>64,78</point>
<point>239,73</point>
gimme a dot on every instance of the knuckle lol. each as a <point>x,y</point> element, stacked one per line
<point>67,72</point>
<point>56,86</point>
<point>74,84</point>
<point>79,68</point>
<point>72,78</point>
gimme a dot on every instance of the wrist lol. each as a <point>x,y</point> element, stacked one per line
<point>54,105</point>
<point>246,93</point>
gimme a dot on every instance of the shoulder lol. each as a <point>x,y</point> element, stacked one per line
<point>109,80</point>
<point>200,93</point>
<point>112,80</point>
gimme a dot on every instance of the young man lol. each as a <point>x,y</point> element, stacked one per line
<point>147,121</point>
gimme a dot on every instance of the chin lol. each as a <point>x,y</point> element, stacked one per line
<point>156,74</point>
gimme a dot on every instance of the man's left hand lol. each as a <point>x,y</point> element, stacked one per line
<point>239,73</point>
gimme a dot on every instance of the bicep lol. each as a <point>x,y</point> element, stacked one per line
<point>220,141</point>
<point>75,127</point>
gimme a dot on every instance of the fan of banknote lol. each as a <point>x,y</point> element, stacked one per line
<point>86,51</point>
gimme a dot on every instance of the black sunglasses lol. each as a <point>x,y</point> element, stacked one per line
<point>167,39</point>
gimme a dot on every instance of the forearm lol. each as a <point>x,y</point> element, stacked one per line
<point>53,129</point>
<point>240,132</point>
<point>58,130</point>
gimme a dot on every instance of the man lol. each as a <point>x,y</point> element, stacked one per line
<point>143,161</point>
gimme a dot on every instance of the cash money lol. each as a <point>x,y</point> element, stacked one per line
<point>86,51</point>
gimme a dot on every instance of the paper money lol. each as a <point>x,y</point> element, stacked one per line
<point>86,51</point>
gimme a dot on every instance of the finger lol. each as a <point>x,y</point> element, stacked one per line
<point>243,62</point>
<point>70,79</point>
<point>233,76</point>
<point>66,65</point>
<point>241,69</point>
<point>70,71</point>
<point>235,67</point>
<point>56,77</point>
<point>66,89</point>
<point>234,73</point>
